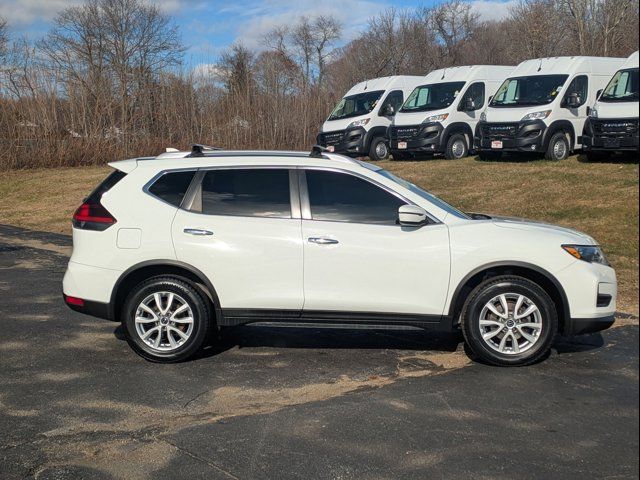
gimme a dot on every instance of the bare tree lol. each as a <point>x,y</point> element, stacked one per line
<point>3,36</point>
<point>534,29</point>
<point>454,23</point>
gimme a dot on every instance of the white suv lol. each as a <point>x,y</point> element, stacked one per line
<point>183,243</point>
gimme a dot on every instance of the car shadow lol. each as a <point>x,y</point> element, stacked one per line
<point>620,158</point>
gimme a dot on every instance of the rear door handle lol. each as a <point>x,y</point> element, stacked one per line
<point>197,231</point>
<point>323,240</point>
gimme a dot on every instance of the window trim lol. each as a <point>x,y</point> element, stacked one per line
<point>147,186</point>
<point>194,193</point>
<point>306,204</point>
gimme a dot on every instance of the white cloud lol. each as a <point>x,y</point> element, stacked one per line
<point>21,12</point>
<point>492,9</point>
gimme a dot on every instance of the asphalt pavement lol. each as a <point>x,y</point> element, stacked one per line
<point>289,403</point>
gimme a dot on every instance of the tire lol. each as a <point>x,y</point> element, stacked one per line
<point>558,148</point>
<point>379,150</point>
<point>457,147</point>
<point>525,351</point>
<point>167,350</point>
<point>487,156</point>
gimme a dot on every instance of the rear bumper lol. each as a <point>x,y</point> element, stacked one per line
<point>91,285</point>
<point>351,142</point>
<point>515,137</point>
<point>94,309</point>
<point>424,138</point>
<point>613,135</point>
<point>581,326</point>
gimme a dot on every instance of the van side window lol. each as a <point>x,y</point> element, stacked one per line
<point>475,92</point>
<point>395,99</point>
<point>579,86</point>
<point>251,192</point>
<point>340,197</point>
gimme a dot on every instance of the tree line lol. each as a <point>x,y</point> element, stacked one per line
<point>110,79</point>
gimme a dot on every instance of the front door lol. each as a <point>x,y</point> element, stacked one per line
<point>357,258</point>
<point>242,234</point>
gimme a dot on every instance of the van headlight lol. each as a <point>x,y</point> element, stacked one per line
<point>593,113</point>
<point>436,118</point>
<point>587,253</point>
<point>536,115</point>
<point>359,123</point>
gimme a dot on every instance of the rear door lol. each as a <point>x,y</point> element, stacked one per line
<point>241,229</point>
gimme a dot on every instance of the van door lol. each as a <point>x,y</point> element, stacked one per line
<point>476,94</point>
<point>577,115</point>
<point>243,231</point>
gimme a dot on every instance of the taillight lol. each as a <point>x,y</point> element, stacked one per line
<point>91,215</point>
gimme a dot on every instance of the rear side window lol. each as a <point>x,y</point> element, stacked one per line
<point>340,197</point>
<point>259,192</point>
<point>106,185</point>
<point>172,187</point>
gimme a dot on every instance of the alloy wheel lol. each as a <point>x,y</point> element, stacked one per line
<point>164,321</point>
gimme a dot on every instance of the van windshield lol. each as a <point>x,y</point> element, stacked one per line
<point>356,105</point>
<point>432,97</point>
<point>525,91</point>
<point>623,87</point>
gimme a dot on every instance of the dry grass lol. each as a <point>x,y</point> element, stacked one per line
<point>599,199</point>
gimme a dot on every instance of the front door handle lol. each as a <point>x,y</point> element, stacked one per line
<point>197,231</point>
<point>323,240</point>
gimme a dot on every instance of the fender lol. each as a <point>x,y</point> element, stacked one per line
<point>517,264</point>
<point>456,127</point>
<point>373,132</point>
<point>565,125</point>
<point>174,263</point>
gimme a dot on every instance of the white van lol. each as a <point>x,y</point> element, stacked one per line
<point>358,124</point>
<point>612,125</point>
<point>542,106</point>
<point>441,113</point>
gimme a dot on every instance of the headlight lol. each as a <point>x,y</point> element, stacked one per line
<point>536,115</point>
<point>483,117</point>
<point>593,113</point>
<point>359,123</point>
<point>588,253</point>
<point>436,118</point>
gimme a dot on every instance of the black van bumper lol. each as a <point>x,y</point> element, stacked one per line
<point>620,134</point>
<point>514,136</point>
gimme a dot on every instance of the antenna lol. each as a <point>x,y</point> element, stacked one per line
<point>540,65</point>
<point>444,72</point>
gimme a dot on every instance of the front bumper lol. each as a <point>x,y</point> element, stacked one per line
<point>620,134</point>
<point>581,326</point>
<point>515,136</point>
<point>419,139</point>
<point>351,142</point>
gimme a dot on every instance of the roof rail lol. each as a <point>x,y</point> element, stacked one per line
<point>317,151</point>
<point>197,150</point>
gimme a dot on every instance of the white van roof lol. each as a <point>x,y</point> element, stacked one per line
<point>567,66</point>
<point>384,83</point>
<point>467,73</point>
<point>632,61</point>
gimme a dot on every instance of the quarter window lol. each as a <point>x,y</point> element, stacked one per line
<point>171,187</point>
<point>247,192</point>
<point>340,197</point>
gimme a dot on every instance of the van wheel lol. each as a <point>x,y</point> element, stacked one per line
<point>558,148</point>
<point>166,319</point>
<point>487,156</point>
<point>457,147</point>
<point>379,150</point>
<point>509,321</point>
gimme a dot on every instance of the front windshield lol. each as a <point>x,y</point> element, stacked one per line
<point>432,97</point>
<point>623,87</point>
<point>417,190</point>
<point>356,105</point>
<point>527,91</point>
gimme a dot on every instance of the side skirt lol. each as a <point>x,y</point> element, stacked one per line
<point>332,319</point>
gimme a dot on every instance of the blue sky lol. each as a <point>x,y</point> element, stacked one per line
<point>208,27</point>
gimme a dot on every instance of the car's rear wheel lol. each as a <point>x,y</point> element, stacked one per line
<point>509,321</point>
<point>166,319</point>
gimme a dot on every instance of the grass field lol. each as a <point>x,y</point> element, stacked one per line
<point>599,199</point>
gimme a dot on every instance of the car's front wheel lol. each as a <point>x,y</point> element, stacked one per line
<point>166,319</point>
<point>509,321</point>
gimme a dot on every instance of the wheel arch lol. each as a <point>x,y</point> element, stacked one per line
<point>457,127</point>
<point>151,268</point>
<point>374,132</point>
<point>555,127</point>
<point>526,270</point>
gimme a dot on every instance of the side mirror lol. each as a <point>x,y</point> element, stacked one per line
<point>412,215</point>
<point>598,93</point>
<point>468,105</point>
<point>388,110</point>
<point>574,100</point>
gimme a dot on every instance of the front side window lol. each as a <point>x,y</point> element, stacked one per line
<point>259,192</point>
<point>432,97</point>
<point>475,93</point>
<point>579,87</point>
<point>172,186</point>
<point>356,105</point>
<point>528,91</point>
<point>340,197</point>
<point>623,87</point>
<point>394,99</point>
